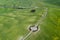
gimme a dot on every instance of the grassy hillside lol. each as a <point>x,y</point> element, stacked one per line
<point>54,2</point>
<point>50,28</point>
<point>14,22</point>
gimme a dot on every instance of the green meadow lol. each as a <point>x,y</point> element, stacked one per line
<point>14,22</point>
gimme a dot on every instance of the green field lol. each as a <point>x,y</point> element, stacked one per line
<point>14,22</point>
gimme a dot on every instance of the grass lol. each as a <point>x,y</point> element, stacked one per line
<point>54,2</point>
<point>49,28</point>
<point>14,23</point>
